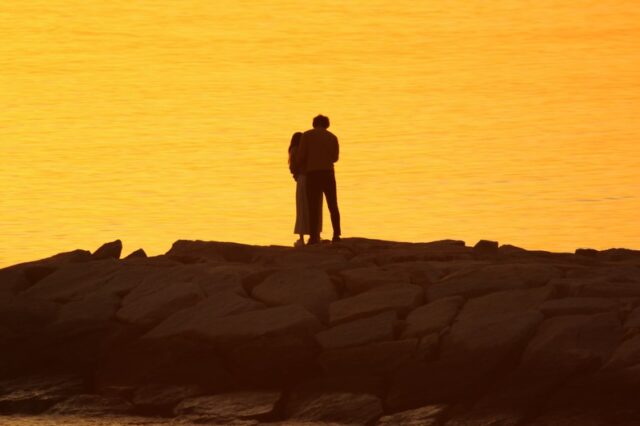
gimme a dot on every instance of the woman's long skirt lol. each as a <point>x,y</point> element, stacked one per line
<point>302,208</point>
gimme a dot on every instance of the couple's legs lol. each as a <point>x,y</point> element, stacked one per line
<point>319,183</point>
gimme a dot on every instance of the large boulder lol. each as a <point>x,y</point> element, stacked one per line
<point>13,280</point>
<point>418,272</point>
<point>485,344</point>
<point>604,287</point>
<point>432,317</point>
<point>492,278</point>
<point>196,320</point>
<point>577,306</point>
<point>151,302</point>
<point>88,405</point>
<point>378,359</point>
<point>273,360</point>
<point>626,355</point>
<point>238,278</point>
<point>380,327</point>
<point>211,251</point>
<point>90,313</point>
<point>229,407</point>
<point>138,362</point>
<point>282,320</point>
<point>504,302</point>
<point>73,280</point>
<point>417,384</point>
<point>633,321</point>
<point>567,344</point>
<point>344,408</point>
<point>398,298</point>
<point>23,317</point>
<point>358,280</point>
<point>309,288</point>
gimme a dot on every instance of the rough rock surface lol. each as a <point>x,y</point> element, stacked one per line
<point>430,415</point>
<point>230,406</point>
<point>432,317</point>
<point>336,407</point>
<point>357,332</point>
<point>309,288</point>
<point>398,298</point>
<point>91,406</point>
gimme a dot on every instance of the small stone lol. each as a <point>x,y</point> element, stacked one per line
<point>430,415</point>
<point>138,254</point>
<point>486,249</point>
<point>110,250</point>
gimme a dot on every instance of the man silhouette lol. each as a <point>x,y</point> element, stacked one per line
<point>318,151</point>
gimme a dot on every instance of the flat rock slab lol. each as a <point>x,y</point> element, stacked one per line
<point>378,359</point>
<point>359,280</point>
<point>91,406</point>
<point>504,302</point>
<point>151,302</point>
<point>198,319</point>
<point>432,317</point>
<point>633,321</point>
<point>32,395</point>
<point>281,320</point>
<point>22,316</point>
<point>571,343</point>
<point>359,332</point>
<point>626,355</point>
<point>577,306</point>
<point>492,278</point>
<point>398,298</point>
<point>486,343</point>
<point>335,407</point>
<point>230,406</point>
<point>73,280</point>
<point>311,289</point>
<point>430,415</point>
<point>604,287</point>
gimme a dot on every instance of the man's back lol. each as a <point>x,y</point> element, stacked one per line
<point>318,150</point>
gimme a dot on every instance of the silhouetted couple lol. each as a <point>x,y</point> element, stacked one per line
<point>311,158</point>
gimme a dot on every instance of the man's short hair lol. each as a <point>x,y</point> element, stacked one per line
<point>321,121</point>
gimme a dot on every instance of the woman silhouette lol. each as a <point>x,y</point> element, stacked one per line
<point>302,207</point>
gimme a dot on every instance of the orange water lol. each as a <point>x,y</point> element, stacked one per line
<point>156,120</point>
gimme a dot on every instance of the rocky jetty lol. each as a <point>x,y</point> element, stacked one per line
<point>361,332</point>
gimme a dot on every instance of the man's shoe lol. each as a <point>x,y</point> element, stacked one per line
<point>313,241</point>
<point>336,239</point>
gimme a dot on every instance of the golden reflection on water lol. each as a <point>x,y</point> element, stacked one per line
<point>157,120</point>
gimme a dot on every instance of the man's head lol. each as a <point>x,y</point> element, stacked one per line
<point>321,122</point>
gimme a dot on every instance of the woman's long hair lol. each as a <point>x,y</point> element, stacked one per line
<point>295,142</point>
